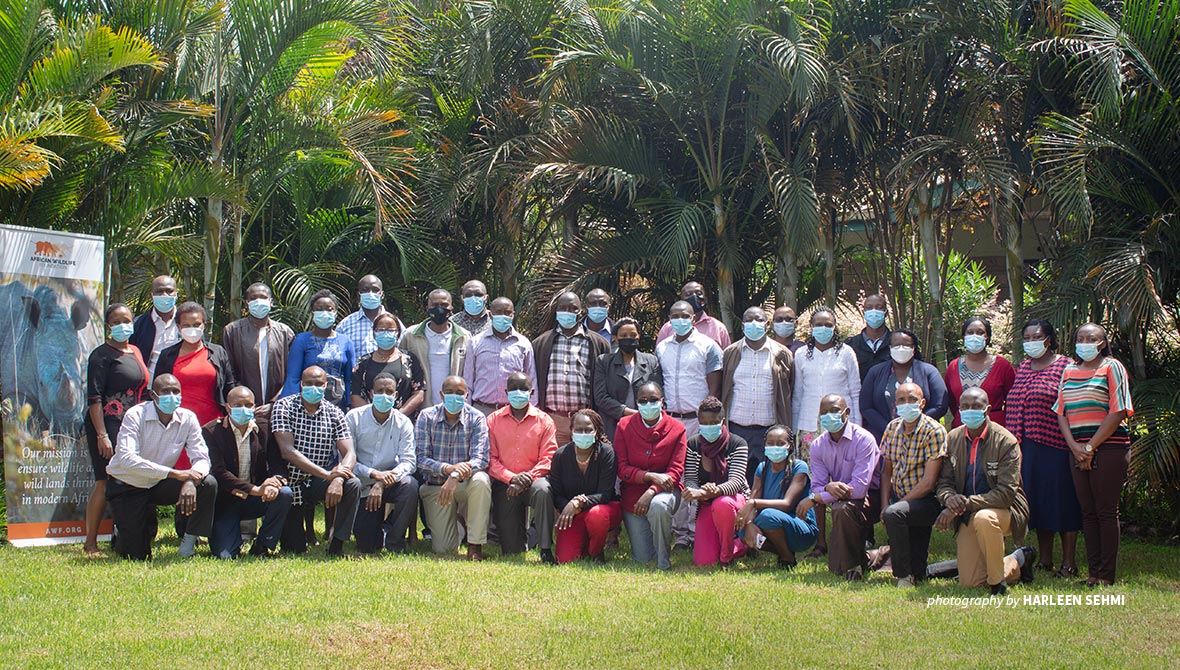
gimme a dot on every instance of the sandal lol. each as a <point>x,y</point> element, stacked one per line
<point>1066,571</point>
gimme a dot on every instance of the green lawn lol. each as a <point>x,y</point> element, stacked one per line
<point>58,609</point>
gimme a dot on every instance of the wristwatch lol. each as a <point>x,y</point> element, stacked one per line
<point>454,474</point>
<point>1088,448</point>
<point>817,499</point>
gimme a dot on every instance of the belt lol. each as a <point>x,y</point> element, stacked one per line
<point>565,414</point>
<point>497,405</point>
<point>683,415</point>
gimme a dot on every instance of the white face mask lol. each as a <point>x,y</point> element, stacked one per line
<point>192,335</point>
<point>901,355</point>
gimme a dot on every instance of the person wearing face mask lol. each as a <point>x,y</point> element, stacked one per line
<point>827,366</point>
<point>756,378</point>
<point>913,448</point>
<point>694,294</point>
<point>251,479</point>
<point>116,380</point>
<point>620,373</point>
<point>494,355</point>
<point>979,486</point>
<point>475,317</point>
<point>978,368</point>
<point>784,329</point>
<point>872,345</point>
<point>388,359</point>
<point>325,348</point>
<point>440,345</point>
<point>715,478</point>
<point>1092,408</point>
<point>522,440</point>
<point>258,347</point>
<point>582,480</point>
<point>650,446</point>
<point>773,509</point>
<point>157,330</point>
<point>451,439</point>
<point>385,463</point>
<point>315,441</point>
<point>878,392</point>
<point>598,315</point>
<point>845,477</point>
<point>142,474</point>
<point>358,327</point>
<point>1045,458</point>
<point>565,358</point>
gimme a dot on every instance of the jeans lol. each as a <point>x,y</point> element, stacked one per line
<point>909,523</point>
<point>226,540</point>
<point>755,437</point>
<point>374,530</point>
<point>651,534</point>
<point>295,540</point>
<point>1098,491</point>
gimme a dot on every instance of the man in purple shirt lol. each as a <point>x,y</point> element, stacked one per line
<point>844,476</point>
<point>694,294</point>
<point>493,355</point>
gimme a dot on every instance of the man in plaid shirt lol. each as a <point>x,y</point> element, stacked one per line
<point>566,357</point>
<point>317,445</point>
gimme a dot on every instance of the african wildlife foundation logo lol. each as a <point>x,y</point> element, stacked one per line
<point>51,253</point>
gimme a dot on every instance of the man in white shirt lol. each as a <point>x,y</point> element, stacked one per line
<point>438,343</point>
<point>157,330</point>
<point>141,475</point>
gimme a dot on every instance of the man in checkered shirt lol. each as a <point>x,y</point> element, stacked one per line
<point>314,440</point>
<point>566,357</point>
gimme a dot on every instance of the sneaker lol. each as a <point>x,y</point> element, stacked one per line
<point>1030,559</point>
<point>681,546</point>
<point>906,583</point>
<point>188,545</point>
<point>855,575</point>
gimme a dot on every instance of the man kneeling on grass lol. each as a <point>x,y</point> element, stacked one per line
<point>979,485</point>
<point>151,439</point>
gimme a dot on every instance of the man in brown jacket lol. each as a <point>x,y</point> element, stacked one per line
<point>980,487</point>
<point>756,378</point>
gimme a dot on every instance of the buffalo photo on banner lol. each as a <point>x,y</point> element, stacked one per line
<point>51,306</point>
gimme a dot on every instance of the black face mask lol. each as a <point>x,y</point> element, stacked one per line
<point>697,302</point>
<point>628,345</point>
<point>438,315</point>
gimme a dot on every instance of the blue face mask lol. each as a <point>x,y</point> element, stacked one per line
<point>383,402</point>
<point>909,412</point>
<point>453,402</point>
<point>875,318</point>
<point>567,319</point>
<point>164,303</point>
<point>831,422</point>
<point>121,332</point>
<point>259,308</point>
<point>784,328</point>
<point>823,334</point>
<point>973,418</point>
<point>754,330</point>
<point>312,394</point>
<point>518,398</point>
<point>386,339</point>
<point>974,343</point>
<point>680,326</point>
<point>501,323</point>
<point>168,403</point>
<point>473,304</point>
<point>777,454</point>
<point>711,432</point>
<point>650,411</point>
<point>597,314</point>
<point>584,440</point>
<point>241,415</point>
<point>1035,348</point>
<point>324,318</point>
<point>371,300</point>
<point>1086,351</point>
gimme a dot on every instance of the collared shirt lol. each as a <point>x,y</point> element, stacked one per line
<point>976,476</point>
<point>753,387</point>
<point>874,343</point>
<point>439,443</point>
<point>604,331</point>
<point>851,460</point>
<point>147,449</point>
<point>438,347</point>
<point>710,327</point>
<point>263,363</point>
<point>909,452</point>
<point>474,325</point>
<point>568,386</point>
<point>524,445</point>
<point>167,334</point>
<point>387,445</point>
<point>315,435</point>
<point>358,327</point>
<point>685,364</point>
<point>490,360</point>
<point>242,437</point>
<point>818,373</point>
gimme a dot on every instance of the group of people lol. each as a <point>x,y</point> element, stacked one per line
<point>721,447</point>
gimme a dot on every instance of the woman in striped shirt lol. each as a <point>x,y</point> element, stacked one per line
<point>715,477</point>
<point>1092,409</point>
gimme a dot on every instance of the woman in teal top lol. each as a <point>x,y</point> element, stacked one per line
<point>780,484</point>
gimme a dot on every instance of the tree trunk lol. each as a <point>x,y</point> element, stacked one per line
<point>724,272</point>
<point>787,281</point>
<point>235,271</point>
<point>214,220</point>
<point>1014,269</point>
<point>928,239</point>
<point>114,278</point>
<point>831,290</point>
<point>508,258</point>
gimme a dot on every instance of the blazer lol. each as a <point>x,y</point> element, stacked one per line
<point>413,341</point>
<point>265,461</point>
<point>865,358</point>
<point>999,455</point>
<point>611,385</point>
<point>782,375</point>
<point>217,358</point>
<point>877,411</point>
<point>143,337</point>
<point>543,351</point>
<point>240,340</point>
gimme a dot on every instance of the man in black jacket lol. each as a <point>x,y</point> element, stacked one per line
<point>157,330</point>
<point>871,345</point>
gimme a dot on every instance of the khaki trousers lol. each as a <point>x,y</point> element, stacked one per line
<point>981,550</point>
<point>476,492</point>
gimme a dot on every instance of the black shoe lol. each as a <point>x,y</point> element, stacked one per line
<point>547,557</point>
<point>681,546</point>
<point>336,547</point>
<point>259,549</point>
<point>599,558</point>
<point>1029,567</point>
<point>786,565</point>
<point>1000,589</point>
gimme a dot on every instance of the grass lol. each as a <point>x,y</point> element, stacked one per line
<point>59,609</point>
